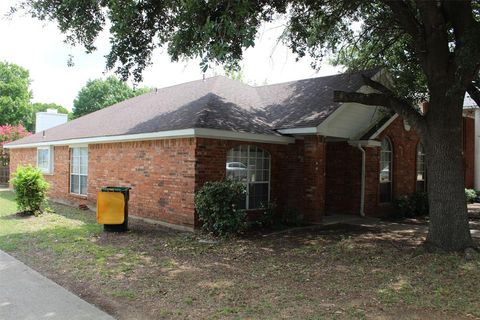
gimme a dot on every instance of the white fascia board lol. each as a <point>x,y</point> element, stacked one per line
<point>306,130</point>
<point>384,126</point>
<point>110,139</point>
<point>243,136</point>
<point>171,134</point>
<point>365,143</point>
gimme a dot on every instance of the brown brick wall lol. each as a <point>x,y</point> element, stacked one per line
<point>161,174</point>
<point>344,172</point>
<point>404,145</point>
<point>309,176</point>
<point>211,160</point>
<point>297,172</point>
<point>59,180</point>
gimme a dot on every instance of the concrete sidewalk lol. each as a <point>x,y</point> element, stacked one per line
<point>25,294</point>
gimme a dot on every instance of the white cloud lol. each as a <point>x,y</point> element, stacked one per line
<point>39,47</point>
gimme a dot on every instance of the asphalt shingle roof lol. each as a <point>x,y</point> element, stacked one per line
<point>215,103</point>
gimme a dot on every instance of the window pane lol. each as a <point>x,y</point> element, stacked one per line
<point>385,174</point>
<point>257,195</point>
<point>237,170</point>
<point>243,202</point>
<point>83,185</point>
<point>385,192</point>
<point>83,168</point>
<point>79,170</point>
<point>43,159</point>
<point>74,184</point>
<point>266,163</point>
<point>421,169</point>
<point>421,186</point>
<point>250,164</point>
<point>76,165</point>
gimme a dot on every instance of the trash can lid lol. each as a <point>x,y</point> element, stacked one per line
<point>115,189</point>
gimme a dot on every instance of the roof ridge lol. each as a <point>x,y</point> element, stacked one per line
<point>321,77</point>
<point>183,83</point>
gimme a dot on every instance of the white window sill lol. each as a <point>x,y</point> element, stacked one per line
<point>77,195</point>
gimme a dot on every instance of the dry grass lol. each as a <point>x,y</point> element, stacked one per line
<point>341,272</point>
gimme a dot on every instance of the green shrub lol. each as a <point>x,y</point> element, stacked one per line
<point>412,205</point>
<point>291,217</point>
<point>272,217</point>
<point>217,207</point>
<point>30,190</point>
<point>471,195</point>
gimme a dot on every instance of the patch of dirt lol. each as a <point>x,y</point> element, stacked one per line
<point>335,272</point>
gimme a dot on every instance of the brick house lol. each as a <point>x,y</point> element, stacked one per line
<point>289,142</point>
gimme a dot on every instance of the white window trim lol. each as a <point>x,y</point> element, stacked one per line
<point>77,174</point>
<point>50,158</point>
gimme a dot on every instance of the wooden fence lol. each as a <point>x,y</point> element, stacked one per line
<point>4,168</point>
<point>4,175</point>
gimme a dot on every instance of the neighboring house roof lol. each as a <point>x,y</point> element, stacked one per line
<point>214,103</point>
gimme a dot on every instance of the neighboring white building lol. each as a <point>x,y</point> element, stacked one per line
<point>471,108</point>
<point>49,119</point>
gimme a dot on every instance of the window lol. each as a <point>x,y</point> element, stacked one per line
<point>251,166</point>
<point>421,169</point>
<point>386,156</point>
<point>78,170</point>
<point>45,159</point>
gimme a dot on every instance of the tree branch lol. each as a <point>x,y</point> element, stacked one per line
<point>377,86</point>
<point>409,23</point>
<point>474,93</point>
<point>385,98</point>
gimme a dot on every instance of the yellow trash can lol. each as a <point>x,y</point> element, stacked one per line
<point>112,208</point>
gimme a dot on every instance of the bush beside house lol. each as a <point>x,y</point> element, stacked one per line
<point>217,207</point>
<point>30,190</point>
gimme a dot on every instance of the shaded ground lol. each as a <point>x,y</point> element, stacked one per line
<point>339,272</point>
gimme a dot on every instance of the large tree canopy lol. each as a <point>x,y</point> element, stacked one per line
<point>432,49</point>
<point>15,94</point>
<point>98,94</point>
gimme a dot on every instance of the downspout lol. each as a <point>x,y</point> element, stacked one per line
<point>362,190</point>
<point>476,166</point>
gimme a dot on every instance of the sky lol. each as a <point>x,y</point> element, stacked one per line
<point>40,48</point>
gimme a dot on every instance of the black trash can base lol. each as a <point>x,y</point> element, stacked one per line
<point>124,226</point>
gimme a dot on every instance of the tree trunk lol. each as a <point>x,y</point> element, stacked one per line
<point>449,228</point>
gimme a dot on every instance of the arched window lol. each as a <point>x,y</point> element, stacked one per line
<point>421,169</point>
<point>386,159</point>
<point>251,165</point>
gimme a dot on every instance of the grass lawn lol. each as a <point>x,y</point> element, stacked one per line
<point>333,273</point>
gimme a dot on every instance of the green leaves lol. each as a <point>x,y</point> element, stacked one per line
<point>98,94</point>
<point>30,189</point>
<point>15,94</point>
<point>217,206</point>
